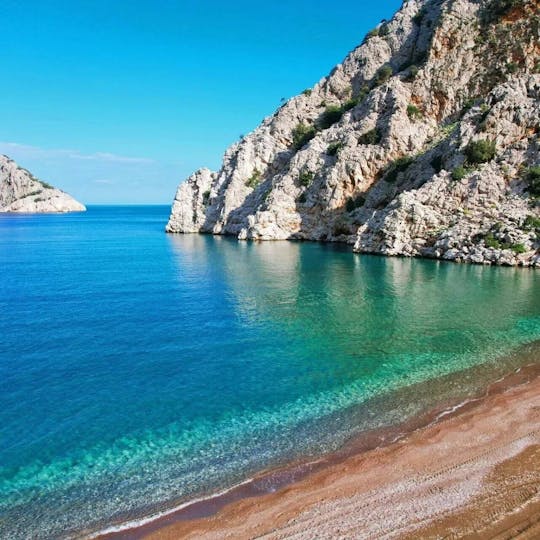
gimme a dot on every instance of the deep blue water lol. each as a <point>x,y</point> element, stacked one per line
<point>138,368</point>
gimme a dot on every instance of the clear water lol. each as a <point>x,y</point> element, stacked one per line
<point>138,368</point>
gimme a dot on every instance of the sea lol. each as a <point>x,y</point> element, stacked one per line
<point>141,370</point>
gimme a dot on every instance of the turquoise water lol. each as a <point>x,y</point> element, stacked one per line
<point>138,368</point>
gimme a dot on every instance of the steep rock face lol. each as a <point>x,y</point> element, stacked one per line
<point>20,191</point>
<point>423,142</point>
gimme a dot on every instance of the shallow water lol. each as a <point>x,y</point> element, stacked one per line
<point>138,368</point>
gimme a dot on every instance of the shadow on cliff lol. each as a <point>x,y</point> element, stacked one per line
<point>236,219</point>
<point>413,50</point>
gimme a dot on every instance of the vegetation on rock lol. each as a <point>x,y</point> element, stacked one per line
<point>330,116</point>
<point>254,180</point>
<point>373,136</point>
<point>383,75</point>
<point>480,151</point>
<point>302,134</point>
<point>334,148</point>
<point>305,178</point>
<point>397,167</point>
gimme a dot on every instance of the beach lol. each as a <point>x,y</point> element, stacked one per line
<point>472,473</point>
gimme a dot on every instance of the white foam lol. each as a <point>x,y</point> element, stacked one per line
<point>135,523</point>
<point>450,410</point>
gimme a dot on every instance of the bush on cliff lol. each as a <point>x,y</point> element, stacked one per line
<point>398,166</point>
<point>413,112</point>
<point>330,116</point>
<point>373,136</point>
<point>254,180</point>
<point>334,148</point>
<point>305,178</point>
<point>383,75</point>
<point>354,203</point>
<point>302,134</point>
<point>480,151</point>
<point>532,177</point>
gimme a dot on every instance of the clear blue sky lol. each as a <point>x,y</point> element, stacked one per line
<point>117,101</point>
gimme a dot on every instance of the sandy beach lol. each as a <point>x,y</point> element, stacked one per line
<point>474,473</point>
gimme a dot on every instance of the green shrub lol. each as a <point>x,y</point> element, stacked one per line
<point>254,180</point>
<point>532,177</point>
<point>44,184</point>
<point>448,129</point>
<point>301,198</point>
<point>350,103</point>
<point>398,166</point>
<point>480,151</point>
<point>531,223</point>
<point>355,202</point>
<point>519,248</point>
<point>384,29</point>
<point>373,136</point>
<point>302,134</point>
<point>482,122</point>
<point>307,92</point>
<point>206,197</point>
<point>334,148</point>
<point>413,112</point>
<point>383,75</point>
<point>491,242</point>
<point>372,33</point>
<point>459,173</point>
<point>362,93</point>
<point>330,116</point>
<point>305,178</point>
<point>413,72</point>
<point>469,104</point>
<point>512,67</point>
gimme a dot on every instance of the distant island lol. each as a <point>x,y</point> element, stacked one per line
<point>21,191</point>
<point>423,142</point>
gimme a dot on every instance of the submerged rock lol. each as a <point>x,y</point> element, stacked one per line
<point>423,142</point>
<point>20,191</point>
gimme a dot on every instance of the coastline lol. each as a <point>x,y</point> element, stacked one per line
<point>274,497</point>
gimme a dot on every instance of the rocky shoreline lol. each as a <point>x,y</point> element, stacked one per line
<point>423,142</point>
<point>22,192</point>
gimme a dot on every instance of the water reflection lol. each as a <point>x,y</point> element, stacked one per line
<point>328,316</point>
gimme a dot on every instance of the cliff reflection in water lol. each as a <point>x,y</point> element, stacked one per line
<point>333,316</point>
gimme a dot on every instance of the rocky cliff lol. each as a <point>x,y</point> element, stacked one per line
<point>423,142</point>
<point>20,191</point>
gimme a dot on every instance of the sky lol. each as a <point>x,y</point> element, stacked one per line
<point>117,101</point>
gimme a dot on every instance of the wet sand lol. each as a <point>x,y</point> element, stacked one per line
<point>474,473</point>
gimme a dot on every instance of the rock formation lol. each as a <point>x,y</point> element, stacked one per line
<point>20,191</point>
<point>423,142</point>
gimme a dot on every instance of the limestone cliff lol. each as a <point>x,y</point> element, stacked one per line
<point>423,142</point>
<point>20,191</point>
